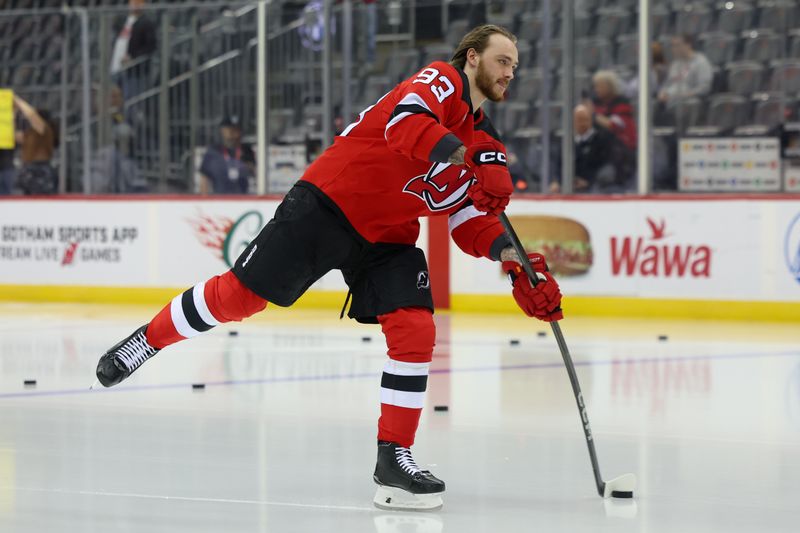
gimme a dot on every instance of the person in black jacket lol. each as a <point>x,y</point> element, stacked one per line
<point>135,43</point>
<point>594,148</point>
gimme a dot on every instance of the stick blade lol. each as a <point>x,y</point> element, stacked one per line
<point>620,487</point>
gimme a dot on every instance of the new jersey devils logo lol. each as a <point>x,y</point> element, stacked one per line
<point>443,187</point>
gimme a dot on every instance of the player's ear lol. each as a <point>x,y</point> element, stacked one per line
<point>473,57</point>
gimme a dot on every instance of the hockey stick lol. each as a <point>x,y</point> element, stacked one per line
<point>619,487</point>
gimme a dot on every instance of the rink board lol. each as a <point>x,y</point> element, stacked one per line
<point>672,256</point>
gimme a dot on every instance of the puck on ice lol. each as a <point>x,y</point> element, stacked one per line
<point>622,494</point>
<point>662,337</point>
<point>514,342</point>
<point>366,339</point>
<point>440,408</point>
<point>233,333</point>
<point>541,334</point>
<point>29,382</point>
<point>198,386</point>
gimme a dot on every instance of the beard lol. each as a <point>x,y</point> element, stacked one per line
<point>488,86</point>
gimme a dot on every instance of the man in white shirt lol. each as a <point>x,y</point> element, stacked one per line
<point>690,73</point>
<point>136,39</point>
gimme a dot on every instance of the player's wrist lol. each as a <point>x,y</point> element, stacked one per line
<point>457,157</point>
<point>508,254</point>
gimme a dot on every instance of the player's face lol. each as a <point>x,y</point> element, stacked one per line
<point>496,67</point>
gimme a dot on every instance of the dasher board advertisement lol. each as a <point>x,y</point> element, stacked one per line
<point>141,242</point>
<point>694,249</point>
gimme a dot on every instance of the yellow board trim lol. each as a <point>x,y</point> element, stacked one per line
<point>641,307</point>
<point>136,295</point>
<point>468,303</point>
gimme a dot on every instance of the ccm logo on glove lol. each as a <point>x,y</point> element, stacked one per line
<point>497,158</point>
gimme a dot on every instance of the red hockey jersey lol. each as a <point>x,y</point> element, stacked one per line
<point>390,166</point>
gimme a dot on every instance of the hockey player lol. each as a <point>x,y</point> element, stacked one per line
<point>424,149</point>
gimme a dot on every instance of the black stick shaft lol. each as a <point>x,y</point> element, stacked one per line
<point>562,345</point>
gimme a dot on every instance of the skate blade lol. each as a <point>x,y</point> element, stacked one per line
<point>96,385</point>
<point>391,499</point>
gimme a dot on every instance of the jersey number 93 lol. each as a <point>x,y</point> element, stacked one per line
<point>428,76</point>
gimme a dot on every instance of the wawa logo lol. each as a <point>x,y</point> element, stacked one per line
<point>657,257</point>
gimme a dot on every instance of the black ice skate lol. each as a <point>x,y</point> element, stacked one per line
<point>124,358</point>
<point>403,485</point>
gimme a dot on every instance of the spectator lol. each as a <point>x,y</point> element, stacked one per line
<point>113,170</point>
<point>659,65</point>
<point>595,169</point>
<point>658,73</point>
<point>39,140</point>
<point>7,171</point>
<point>612,111</point>
<point>228,168</point>
<point>124,124</point>
<point>135,43</point>
<point>690,73</point>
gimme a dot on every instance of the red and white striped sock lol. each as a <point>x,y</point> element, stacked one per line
<point>220,299</point>
<point>410,336</point>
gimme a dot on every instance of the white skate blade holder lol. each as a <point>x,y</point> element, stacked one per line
<point>391,498</point>
<point>620,487</point>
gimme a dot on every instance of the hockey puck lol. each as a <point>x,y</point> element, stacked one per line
<point>541,334</point>
<point>198,386</point>
<point>621,494</point>
<point>30,382</point>
<point>366,339</point>
<point>514,342</point>
<point>662,337</point>
<point>233,333</point>
<point>441,408</point>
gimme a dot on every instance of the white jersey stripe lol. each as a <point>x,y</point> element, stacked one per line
<point>198,295</point>
<point>409,99</point>
<point>458,218</point>
<point>412,98</point>
<point>179,319</point>
<point>411,400</point>
<point>394,121</point>
<point>360,117</point>
<point>399,368</point>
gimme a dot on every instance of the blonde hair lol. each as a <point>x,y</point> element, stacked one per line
<point>478,38</point>
<point>610,77</point>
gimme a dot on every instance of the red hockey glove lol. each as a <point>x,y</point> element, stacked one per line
<point>542,301</point>
<point>493,188</point>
